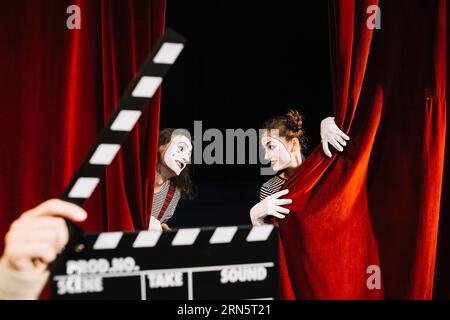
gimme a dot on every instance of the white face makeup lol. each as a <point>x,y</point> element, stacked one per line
<point>178,153</point>
<point>276,152</point>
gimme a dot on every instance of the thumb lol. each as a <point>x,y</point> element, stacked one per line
<point>59,208</point>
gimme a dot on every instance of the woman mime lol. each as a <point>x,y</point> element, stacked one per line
<point>172,179</point>
<point>284,143</point>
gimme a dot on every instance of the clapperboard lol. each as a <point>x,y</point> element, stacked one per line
<point>196,263</point>
<point>237,262</point>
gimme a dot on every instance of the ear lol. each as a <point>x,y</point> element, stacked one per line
<point>296,143</point>
<point>162,149</point>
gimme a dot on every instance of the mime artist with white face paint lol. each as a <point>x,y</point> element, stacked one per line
<point>172,180</point>
<point>284,143</point>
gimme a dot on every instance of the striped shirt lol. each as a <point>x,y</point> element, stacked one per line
<point>272,186</point>
<point>158,201</point>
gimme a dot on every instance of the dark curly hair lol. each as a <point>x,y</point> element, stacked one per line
<point>182,182</point>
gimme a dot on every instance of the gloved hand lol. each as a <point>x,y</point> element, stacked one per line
<point>155,224</point>
<point>331,134</point>
<point>270,206</point>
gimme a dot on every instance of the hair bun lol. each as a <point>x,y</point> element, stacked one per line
<point>295,120</point>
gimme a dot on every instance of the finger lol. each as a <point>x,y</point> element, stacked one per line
<point>281,209</point>
<point>280,193</point>
<point>325,148</point>
<point>56,207</point>
<point>282,202</point>
<point>40,250</point>
<point>51,230</point>
<point>277,215</point>
<point>28,225</point>
<point>58,236</point>
<point>43,224</point>
<point>342,134</point>
<point>37,222</point>
<point>49,236</point>
<point>340,140</point>
<point>335,144</point>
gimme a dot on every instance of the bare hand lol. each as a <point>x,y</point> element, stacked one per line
<point>39,235</point>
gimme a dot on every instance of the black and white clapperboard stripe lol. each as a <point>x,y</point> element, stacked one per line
<point>237,262</point>
<point>196,263</point>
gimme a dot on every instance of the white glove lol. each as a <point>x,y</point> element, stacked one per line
<point>155,224</point>
<point>331,134</point>
<point>270,206</point>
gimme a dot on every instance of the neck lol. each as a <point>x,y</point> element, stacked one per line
<point>159,180</point>
<point>162,175</point>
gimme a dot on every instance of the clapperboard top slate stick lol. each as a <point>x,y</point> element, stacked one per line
<point>179,237</point>
<point>121,123</point>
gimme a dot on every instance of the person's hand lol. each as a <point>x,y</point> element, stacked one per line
<point>270,206</point>
<point>155,224</point>
<point>331,134</point>
<point>39,235</point>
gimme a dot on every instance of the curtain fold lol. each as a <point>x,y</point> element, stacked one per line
<point>377,204</point>
<point>59,86</point>
<point>128,31</point>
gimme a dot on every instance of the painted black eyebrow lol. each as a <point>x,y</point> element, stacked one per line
<point>187,147</point>
<point>184,144</point>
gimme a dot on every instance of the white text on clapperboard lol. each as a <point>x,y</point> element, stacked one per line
<point>86,276</point>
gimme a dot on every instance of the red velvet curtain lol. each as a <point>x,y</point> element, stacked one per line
<point>58,87</point>
<point>378,202</point>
